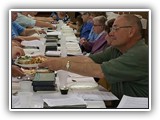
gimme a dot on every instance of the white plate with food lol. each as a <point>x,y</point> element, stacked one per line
<point>28,61</point>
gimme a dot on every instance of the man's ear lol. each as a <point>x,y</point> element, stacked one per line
<point>132,32</point>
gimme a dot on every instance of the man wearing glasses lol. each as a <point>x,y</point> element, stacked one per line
<point>124,65</point>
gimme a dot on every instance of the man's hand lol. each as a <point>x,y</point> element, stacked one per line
<point>52,64</point>
<point>42,31</point>
<point>17,51</point>
<point>16,71</point>
<point>82,40</point>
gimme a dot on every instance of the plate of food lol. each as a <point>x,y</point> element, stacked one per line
<point>29,71</point>
<point>34,71</point>
<point>28,61</point>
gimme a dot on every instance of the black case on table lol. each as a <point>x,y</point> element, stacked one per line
<point>51,46</point>
<point>44,82</point>
<point>44,88</point>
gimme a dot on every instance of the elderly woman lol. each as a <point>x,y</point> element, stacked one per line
<point>100,43</point>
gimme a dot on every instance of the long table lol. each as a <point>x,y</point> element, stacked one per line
<point>37,97</point>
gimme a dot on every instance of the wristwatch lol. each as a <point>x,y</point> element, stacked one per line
<point>68,65</point>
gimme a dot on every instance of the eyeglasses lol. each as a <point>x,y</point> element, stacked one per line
<point>115,28</point>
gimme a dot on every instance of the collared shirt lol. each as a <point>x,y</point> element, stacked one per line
<point>25,21</point>
<point>99,35</point>
<point>127,73</point>
<point>16,29</point>
<point>85,30</point>
<point>96,46</point>
<point>65,19</point>
<point>92,36</point>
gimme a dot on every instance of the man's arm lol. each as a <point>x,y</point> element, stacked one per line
<point>28,38</point>
<point>44,24</point>
<point>87,68</point>
<point>28,32</point>
<point>44,19</point>
<point>80,59</point>
<point>81,65</point>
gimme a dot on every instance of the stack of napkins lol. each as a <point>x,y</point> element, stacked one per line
<point>53,53</point>
<point>133,102</point>
<point>54,33</point>
<point>67,102</point>
<point>68,34</point>
<point>73,48</point>
<point>71,39</point>
<point>35,43</point>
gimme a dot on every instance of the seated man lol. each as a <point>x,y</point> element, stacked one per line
<point>17,41</point>
<point>27,22</point>
<point>86,27</point>
<point>34,17</point>
<point>21,32</point>
<point>124,65</point>
<point>77,26</point>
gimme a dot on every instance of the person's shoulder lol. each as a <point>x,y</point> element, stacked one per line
<point>140,46</point>
<point>90,23</point>
<point>112,48</point>
<point>14,23</point>
<point>104,34</point>
<point>138,51</point>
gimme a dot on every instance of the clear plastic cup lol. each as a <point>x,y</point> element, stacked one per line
<point>62,75</point>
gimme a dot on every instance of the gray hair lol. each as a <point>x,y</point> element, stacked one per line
<point>101,19</point>
<point>133,20</point>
